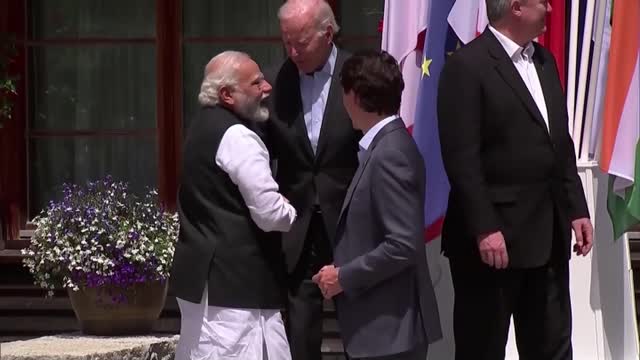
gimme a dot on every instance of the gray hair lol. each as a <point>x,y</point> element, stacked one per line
<point>219,72</point>
<point>497,9</point>
<point>322,12</point>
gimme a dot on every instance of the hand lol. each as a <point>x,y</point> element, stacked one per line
<point>584,236</point>
<point>327,281</point>
<point>493,250</point>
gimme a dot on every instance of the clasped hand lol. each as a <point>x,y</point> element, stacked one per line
<point>327,281</point>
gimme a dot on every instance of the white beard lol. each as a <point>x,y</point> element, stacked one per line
<point>253,110</point>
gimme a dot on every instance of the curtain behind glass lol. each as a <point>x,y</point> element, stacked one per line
<point>92,19</point>
<point>94,87</point>
<point>231,18</point>
<point>100,88</point>
<point>360,18</point>
<point>211,27</point>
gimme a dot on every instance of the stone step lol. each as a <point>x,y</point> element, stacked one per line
<point>79,347</point>
<point>332,347</point>
<point>75,346</point>
<point>25,313</point>
<point>4,339</point>
<point>59,304</point>
<point>52,324</point>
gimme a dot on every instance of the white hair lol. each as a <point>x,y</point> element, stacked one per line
<point>220,71</point>
<point>322,15</point>
<point>497,9</point>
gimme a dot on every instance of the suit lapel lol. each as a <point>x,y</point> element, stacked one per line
<point>506,69</point>
<point>333,106</point>
<point>545,74</point>
<point>294,95</point>
<point>302,129</point>
<point>355,180</point>
<point>394,125</point>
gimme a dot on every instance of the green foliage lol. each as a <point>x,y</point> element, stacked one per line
<point>7,82</point>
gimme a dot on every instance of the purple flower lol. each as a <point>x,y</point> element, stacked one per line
<point>100,235</point>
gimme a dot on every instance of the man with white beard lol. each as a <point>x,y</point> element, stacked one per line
<point>228,269</point>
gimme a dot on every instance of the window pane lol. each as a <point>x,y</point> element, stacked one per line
<point>360,17</point>
<point>92,18</point>
<point>196,56</point>
<point>55,161</point>
<point>94,87</point>
<point>359,44</point>
<point>233,18</point>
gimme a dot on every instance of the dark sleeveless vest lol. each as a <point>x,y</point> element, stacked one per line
<point>219,243</point>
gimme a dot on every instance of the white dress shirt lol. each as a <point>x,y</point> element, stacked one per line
<point>219,333</point>
<point>368,137</point>
<point>522,59</point>
<point>314,90</point>
<point>243,156</point>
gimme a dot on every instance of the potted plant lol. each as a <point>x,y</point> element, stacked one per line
<point>111,250</point>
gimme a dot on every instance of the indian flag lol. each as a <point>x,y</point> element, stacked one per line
<point>620,156</point>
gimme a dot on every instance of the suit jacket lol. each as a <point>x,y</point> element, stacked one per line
<point>388,305</point>
<point>507,171</point>
<point>305,178</point>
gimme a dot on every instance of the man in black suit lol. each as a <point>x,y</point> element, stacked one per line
<point>515,191</point>
<point>315,148</point>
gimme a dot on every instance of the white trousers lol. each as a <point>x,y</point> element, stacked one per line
<point>217,333</point>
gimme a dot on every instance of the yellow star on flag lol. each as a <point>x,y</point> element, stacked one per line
<point>425,66</point>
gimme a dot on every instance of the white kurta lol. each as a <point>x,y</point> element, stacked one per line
<point>216,333</point>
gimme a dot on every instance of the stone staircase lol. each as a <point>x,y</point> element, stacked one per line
<point>25,313</point>
<point>332,348</point>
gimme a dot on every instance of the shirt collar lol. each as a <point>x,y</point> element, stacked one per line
<point>366,140</point>
<point>511,47</point>
<point>330,65</point>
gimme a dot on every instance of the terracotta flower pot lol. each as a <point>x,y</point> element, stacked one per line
<point>135,312</point>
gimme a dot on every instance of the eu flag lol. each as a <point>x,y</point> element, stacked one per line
<point>438,41</point>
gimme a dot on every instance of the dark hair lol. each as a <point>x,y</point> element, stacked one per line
<point>375,79</point>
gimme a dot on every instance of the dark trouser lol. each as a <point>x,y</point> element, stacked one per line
<point>485,299</point>
<point>304,311</point>
<point>419,353</point>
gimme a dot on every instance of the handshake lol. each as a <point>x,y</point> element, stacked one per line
<point>327,281</point>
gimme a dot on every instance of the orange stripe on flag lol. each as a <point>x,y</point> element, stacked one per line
<point>625,41</point>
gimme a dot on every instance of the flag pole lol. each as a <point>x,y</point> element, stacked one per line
<point>582,80</point>
<point>573,49</point>
<point>595,72</point>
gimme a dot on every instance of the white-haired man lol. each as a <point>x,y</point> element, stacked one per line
<point>311,136</point>
<point>228,270</point>
<point>515,191</point>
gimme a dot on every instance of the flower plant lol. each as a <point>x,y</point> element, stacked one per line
<point>100,235</point>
